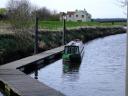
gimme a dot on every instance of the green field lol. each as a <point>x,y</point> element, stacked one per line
<point>58,25</point>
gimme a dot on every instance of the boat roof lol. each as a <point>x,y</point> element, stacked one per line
<point>75,43</point>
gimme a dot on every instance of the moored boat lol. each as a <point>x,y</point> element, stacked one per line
<point>73,51</point>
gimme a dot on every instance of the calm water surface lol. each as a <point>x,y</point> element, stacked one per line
<point>101,72</point>
<point>1,94</point>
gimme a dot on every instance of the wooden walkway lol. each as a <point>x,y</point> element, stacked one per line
<point>17,83</point>
<point>31,59</point>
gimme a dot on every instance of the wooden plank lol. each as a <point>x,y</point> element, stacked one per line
<point>25,85</point>
<point>10,71</point>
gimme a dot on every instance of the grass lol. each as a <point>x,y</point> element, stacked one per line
<point>58,25</point>
<point>52,25</point>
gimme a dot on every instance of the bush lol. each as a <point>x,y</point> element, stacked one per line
<point>11,48</point>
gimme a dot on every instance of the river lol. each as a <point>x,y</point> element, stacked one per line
<point>1,94</point>
<point>101,72</point>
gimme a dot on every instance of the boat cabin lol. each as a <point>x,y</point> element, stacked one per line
<point>73,51</point>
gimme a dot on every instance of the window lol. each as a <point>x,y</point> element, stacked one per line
<point>82,16</point>
<point>70,15</point>
<point>72,50</point>
<point>76,15</point>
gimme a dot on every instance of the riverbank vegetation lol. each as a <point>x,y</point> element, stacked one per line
<point>17,41</point>
<point>12,47</point>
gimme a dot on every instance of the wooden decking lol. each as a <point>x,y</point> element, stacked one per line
<point>31,59</point>
<point>16,82</point>
<point>25,85</point>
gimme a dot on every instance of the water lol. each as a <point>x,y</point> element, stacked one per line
<point>101,72</point>
<point>1,94</point>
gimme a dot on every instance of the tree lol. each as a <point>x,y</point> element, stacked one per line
<point>44,13</point>
<point>3,15</point>
<point>3,11</point>
<point>19,13</point>
<point>22,20</point>
<point>122,4</point>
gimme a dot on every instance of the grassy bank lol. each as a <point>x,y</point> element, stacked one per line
<point>58,25</point>
<point>13,48</point>
<point>51,39</point>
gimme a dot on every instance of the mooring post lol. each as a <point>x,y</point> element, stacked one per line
<point>64,28</point>
<point>36,45</point>
<point>36,74</point>
<point>64,33</point>
<point>36,36</point>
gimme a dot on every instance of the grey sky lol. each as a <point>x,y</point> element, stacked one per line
<point>97,8</point>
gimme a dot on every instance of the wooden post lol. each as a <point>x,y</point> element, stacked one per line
<point>64,31</point>
<point>36,36</point>
<point>36,45</point>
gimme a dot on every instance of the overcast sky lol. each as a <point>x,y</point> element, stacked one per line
<point>97,8</point>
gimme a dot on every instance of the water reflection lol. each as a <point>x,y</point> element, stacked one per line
<point>71,71</point>
<point>36,74</point>
<point>69,67</point>
<point>1,94</point>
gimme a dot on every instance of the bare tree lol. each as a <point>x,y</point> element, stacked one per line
<point>122,4</point>
<point>21,19</point>
<point>20,13</point>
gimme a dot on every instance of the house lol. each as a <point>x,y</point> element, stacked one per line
<point>78,15</point>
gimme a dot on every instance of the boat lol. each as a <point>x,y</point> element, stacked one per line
<point>73,51</point>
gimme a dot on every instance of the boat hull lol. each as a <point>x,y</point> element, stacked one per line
<point>75,58</point>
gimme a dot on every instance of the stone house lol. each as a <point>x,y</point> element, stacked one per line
<point>78,15</point>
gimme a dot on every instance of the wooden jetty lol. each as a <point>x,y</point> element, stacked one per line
<point>31,59</point>
<point>16,83</point>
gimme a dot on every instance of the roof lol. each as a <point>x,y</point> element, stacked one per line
<point>70,12</point>
<point>75,43</point>
<point>62,13</point>
<point>74,12</point>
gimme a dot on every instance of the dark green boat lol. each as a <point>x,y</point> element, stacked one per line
<point>73,51</point>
